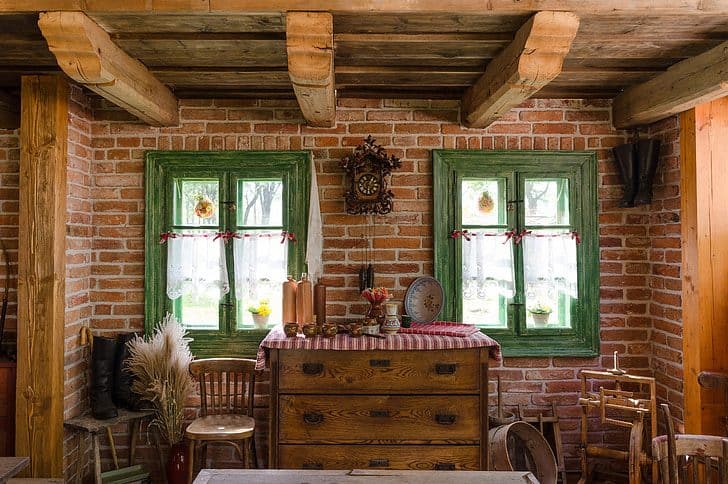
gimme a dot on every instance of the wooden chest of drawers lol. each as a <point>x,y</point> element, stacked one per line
<point>420,410</point>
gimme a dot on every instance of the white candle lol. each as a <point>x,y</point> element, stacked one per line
<point>615,360</point>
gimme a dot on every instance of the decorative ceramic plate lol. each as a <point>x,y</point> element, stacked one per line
<point>424,299</point>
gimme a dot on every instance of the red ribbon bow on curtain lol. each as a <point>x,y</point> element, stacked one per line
<point>288,235</point>
<point>165,236</point>
<point>575,235</point>
<point>460,233</point>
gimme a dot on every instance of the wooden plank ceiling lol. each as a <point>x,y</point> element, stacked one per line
<point>375,54</point>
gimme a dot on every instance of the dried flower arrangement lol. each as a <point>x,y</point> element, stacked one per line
<point>375,295</point>
<point>160,365</point>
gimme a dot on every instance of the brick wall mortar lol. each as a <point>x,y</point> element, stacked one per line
<point>79,258</point>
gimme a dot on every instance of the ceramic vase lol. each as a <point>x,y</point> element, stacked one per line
<point>177,464</point>
<point>540,319</point>
<point>391,322</point>
<point>376,312</point>
<point>260,320</point>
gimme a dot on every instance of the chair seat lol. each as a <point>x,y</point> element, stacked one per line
<point>217,427</point>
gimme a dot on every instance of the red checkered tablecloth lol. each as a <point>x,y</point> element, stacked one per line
<point>277,339</point>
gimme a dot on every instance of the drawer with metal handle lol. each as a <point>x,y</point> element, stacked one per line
<point>443,371</point>
<point>326,418</point>
<point>413,457</point>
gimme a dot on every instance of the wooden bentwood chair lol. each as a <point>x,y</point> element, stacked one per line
<point>690,459</point>
<point>227,388</point>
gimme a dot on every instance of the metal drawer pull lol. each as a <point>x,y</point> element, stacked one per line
<point>312,465</point>
<point>379,363</point>
<point>379,463</point>
<point>379,413</point>
<point>443,466</point>
<point>445,368</point>
<point>445,419</point>
<point>313,368</point>
<point>313,418</point>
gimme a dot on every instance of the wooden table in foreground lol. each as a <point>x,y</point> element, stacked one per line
<point>362,476</point>
<point>10,466</point>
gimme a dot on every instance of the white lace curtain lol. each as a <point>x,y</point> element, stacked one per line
<point>551,260</point>
<point>260,269</point>
<point>488,264</point>
<point>196,266</point>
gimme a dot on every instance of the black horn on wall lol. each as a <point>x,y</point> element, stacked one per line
<point>648,154</point>
<point>626,158</point>
<point>637,163</point>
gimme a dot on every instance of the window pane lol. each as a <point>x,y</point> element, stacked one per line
<point>550,277</point>
<point>260,270</point>
<point>196,202</point>
<point>547,201</point>
<point>488,280</point>
<point>484,201</point>
<point>260,203</point>
<point>196,278</point>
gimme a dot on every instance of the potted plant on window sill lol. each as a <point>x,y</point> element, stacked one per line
<point>540,314</point>
<point>260,313</point>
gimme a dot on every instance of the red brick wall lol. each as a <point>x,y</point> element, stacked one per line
<point>79,264</point>
<point>634,242</point>
<point>9,168</point>
<point>665,269</point>
<point>409,129</point>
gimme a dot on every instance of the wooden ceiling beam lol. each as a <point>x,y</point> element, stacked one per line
<point>532,60</point>
<point>86,53</point>
<point>9,111</point>
<point>475,7</point>
<point>688,83</point>
<point>310,46</point>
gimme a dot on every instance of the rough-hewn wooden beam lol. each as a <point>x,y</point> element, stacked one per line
<point>86,53</point>
<point>694,81</point>
<point>9,111</point>
<point>310,45</point>
<point>476,7</point>
<point>41,273</point>
<point>531,61</point>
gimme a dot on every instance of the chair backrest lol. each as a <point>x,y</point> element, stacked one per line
<point>690,459</point>
<point>227,385</point>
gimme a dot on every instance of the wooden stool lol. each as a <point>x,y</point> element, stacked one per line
<point>93,426</point>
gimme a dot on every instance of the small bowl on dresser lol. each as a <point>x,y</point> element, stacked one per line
<point>309,330</point>
<point>355,330</point>
<point>329,330</point>
<point>290,329</point>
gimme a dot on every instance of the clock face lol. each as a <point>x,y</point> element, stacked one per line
<point>368,184</point>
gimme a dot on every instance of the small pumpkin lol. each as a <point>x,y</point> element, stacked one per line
<point>485,203</point>
<point>204,207</point>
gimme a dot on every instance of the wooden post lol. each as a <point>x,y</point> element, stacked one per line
<point>41,273</point>
<point>704,194</point>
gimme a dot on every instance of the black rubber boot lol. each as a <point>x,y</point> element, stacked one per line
<point>648,154</point>
<point>627,162</point>
<point>123,379</point>
<point>102,378</point>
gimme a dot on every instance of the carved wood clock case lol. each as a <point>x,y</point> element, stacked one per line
<point>368,172</point>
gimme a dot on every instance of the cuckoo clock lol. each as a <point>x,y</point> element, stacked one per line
<point>368,172</point>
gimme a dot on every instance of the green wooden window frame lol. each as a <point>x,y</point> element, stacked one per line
<point>450,167</point>
<point>162,168</point>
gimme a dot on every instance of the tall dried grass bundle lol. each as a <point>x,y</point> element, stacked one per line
<point>160,366</point>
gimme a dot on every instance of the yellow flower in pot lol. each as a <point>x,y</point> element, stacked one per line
<point>260,313</point>
<point>540,314</point>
